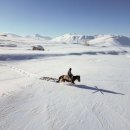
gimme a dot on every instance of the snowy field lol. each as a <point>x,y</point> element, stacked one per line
<point>101,101</point>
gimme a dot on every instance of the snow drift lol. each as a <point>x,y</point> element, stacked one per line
<point>101,101</point>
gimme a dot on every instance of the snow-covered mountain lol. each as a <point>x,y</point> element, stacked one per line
<point>109,40</point>
<point>98,40</point>
<point>75,38</point>
<point>11,35</point>
<point>122,40</point>
<point>70,38</point>
<point>38,37</point>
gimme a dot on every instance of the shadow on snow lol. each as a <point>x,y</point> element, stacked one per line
<point>96,89</point>
<point>12,57</point>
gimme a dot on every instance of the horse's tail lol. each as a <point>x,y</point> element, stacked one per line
<point>60,78</point>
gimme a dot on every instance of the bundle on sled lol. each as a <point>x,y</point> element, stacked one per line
<point>49,79</point>
<point>66,78</point>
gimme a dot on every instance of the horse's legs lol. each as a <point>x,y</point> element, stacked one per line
<point>58,79</point>
<point>63,80</point>
<point>72,81</point>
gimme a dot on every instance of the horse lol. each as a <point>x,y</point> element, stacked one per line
<point>64,78</point>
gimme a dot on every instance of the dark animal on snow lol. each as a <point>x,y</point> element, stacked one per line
<point>64,78</point>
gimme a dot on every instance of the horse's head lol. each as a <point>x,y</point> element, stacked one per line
<point>78,78</point>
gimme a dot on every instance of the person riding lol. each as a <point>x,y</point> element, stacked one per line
<point>70,74</point>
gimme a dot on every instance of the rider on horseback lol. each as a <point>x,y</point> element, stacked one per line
<point>69,77</point>
<point>70,74</point>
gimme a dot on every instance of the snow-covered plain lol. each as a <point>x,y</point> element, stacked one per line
<point>101,101</point>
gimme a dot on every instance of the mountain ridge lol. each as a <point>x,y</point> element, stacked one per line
<point>72,38</point>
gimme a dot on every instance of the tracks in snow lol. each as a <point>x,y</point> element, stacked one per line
<point>28,74</point>
<point>21,71</point>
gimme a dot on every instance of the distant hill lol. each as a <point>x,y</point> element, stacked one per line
<point>97,40</point>
<point>38,37</point>
<point>11,35</point>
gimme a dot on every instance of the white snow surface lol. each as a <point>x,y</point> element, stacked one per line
<point>101,101</point>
